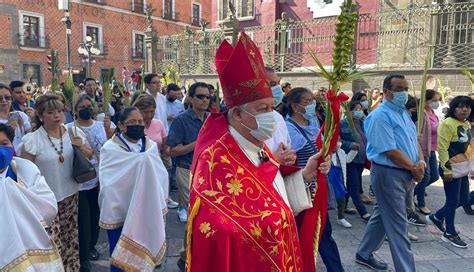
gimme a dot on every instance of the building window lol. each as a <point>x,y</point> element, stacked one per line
<point>31,32</point>
<point>95,32</point>
<point>138,45</point>
<point>168,10</point>
<point>139,6</point>
<point>32,73</point>
<point>244,9</point>
<point>196,18</point>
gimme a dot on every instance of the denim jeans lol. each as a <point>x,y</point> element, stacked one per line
<point>431,175</point>
<point>354,179</point>
<point>457,194</point>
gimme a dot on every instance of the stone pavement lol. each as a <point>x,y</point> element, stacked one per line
<point>431,254</point>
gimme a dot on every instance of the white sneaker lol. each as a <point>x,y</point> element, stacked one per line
<point>343,222</point>
<point>172,204</point>
<point>182,215</point>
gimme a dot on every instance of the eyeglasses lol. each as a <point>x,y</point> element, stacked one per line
<point>5,97</point>
<point>202,96</point>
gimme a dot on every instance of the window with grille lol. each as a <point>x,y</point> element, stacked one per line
<point>168,10</point>
<point>138,6</point>
<point>93,32</point>
<point>196,14</point>
<point>31,28</point>
<point>139,46</point>
<point>243,8</point>
<point>32,73</point>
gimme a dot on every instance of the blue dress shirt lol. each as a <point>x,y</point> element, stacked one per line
<point>390,127</point>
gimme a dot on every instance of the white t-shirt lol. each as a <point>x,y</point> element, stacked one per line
<point>58,175</point>
<point>280,135</point>
<point>96,138</point>
<point>20,130</point>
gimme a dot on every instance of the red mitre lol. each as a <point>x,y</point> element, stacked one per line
<point>241,72</point>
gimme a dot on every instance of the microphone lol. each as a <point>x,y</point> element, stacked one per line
<point>263,156</point>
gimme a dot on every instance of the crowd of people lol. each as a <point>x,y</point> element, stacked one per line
<point>244,167</point>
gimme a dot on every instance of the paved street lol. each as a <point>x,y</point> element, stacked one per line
<point>431,254</point>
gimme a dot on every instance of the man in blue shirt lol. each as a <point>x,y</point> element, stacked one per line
<point>397,159</point>
<point>182,138</point>
<point>173,106</point>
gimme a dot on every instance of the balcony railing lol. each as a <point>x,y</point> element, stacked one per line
<point>170,15</point>
<point>138,53</point>
<point>33,41</point>
<point>138,8</point>
<point>196,21</point>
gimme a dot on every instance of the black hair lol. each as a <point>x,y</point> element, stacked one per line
<point>8,131</point>
<point>412,102</point>
<point>387,82</point>
<point>430,94</point>
<point>353,104</point>
<point>81,99</point>
<point>459,101</point>
<point>192,88</point>
<point>358,96</point>
<point>211,87</point>
<point>269,69</point>
<point>172,87</point>
<point>88,79</point>
<point>147,79</point>
<point>4,86</point>
<point>294,96</point>
<point>14,84</point>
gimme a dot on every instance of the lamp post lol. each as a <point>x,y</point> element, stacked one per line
<point>87,48</point>
<point>64,5</point>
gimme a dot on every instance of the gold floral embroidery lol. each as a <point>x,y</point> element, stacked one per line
<point>224,159</point>
<point>235,187</point>
<point>205,228</point>
<point>256,230</point>
<point>240,170</point>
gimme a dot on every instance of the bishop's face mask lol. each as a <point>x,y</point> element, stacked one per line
<point>266,125</point>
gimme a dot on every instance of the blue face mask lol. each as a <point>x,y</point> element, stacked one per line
<point>278,94</point>
<point>310,111</point>
<point>400,99</point>
<point>6,156</point>
<point>358,115</point>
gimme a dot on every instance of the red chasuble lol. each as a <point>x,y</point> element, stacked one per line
<point>237,220</point>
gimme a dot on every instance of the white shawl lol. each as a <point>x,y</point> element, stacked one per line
<point>133,190</point>
<point>27,206</point>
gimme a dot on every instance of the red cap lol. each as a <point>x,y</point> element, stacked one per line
<point>242,72</point>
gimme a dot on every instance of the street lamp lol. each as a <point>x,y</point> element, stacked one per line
<point>64,5</point>
<point>87,48</point>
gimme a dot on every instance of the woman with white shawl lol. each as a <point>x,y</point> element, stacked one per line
<point>27,206</point>
<point>132,198</point>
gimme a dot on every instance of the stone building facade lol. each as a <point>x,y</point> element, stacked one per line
<point>31,28</point>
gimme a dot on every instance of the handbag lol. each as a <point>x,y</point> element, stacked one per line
<point>299,194</point>
<point>335,178</point>
<point>82,168</point>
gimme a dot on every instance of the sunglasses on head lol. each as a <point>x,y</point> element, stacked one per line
<point>202,96</point>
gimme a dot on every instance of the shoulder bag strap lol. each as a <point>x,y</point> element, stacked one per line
<point>304,134</point>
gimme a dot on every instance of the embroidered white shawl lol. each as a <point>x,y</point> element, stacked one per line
<point>27,206</point>
<point>133,190</point>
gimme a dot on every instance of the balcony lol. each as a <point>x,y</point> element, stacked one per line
<point>138,53</point>
<point>138,8</point>
<point>33,41</point>
<point>195,21</point>
<point>170,15</point>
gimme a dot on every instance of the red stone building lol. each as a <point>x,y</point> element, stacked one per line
<point>31,28</point>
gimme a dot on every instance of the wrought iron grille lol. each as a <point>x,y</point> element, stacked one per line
<point>395,39</point>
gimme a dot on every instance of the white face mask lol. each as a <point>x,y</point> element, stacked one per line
<point>266,125</point>
<point>365,104</point>
<point>435,105</point>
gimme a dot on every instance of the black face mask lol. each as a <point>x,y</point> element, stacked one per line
<point>414,117</point>
<point>135,132</point>
<point>171,99</point>
<point>85,114</point>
